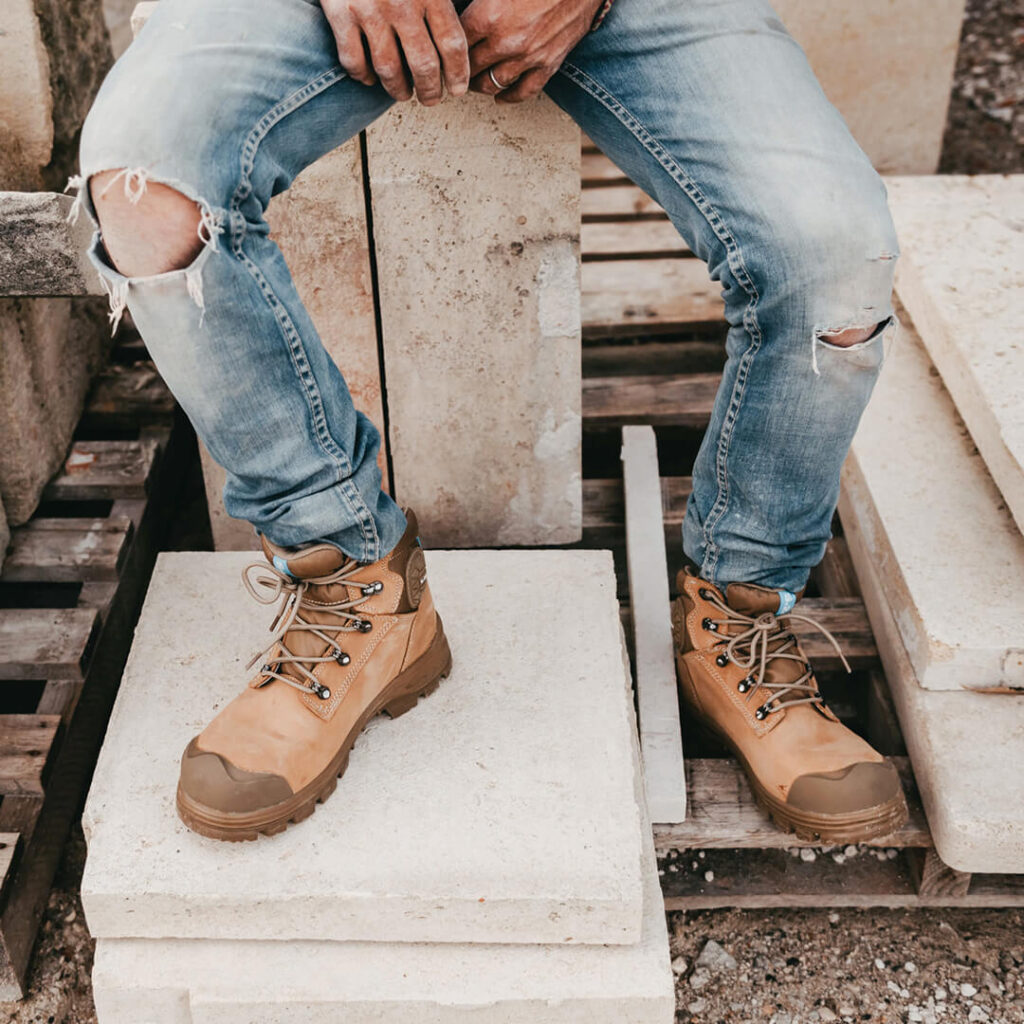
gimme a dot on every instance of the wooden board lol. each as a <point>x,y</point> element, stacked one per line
<point>67,550</point>
<point>597,168</point>
<point>661,741</point>
<point>46,643</point>
<point>628,297</point>
<point>102,470</point>
<point>682,400</point>
<point>25,745</point>
<point>125,397</point>
<point>604,502</point>
<point>618,203</point>
<point>631,239</point>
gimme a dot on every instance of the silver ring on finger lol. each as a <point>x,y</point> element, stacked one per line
<point>497,84</point>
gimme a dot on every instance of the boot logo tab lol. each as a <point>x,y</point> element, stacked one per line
<point>415,576</point>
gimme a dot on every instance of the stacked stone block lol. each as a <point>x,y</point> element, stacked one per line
<point>487,857</point>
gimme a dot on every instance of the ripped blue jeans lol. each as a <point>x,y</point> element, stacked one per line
<point>710,107</point>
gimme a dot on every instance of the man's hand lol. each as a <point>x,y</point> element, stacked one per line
<point>522,44</point>
<point>391,40</point>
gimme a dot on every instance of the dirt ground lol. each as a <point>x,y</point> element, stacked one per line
<point>778,966</point>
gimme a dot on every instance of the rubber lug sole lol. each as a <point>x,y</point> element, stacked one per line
<point>400,696</point>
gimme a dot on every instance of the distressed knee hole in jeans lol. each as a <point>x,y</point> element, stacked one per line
<point>134,181</point>
<point>823,334</point>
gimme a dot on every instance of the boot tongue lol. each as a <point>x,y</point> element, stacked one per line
<point>752,599</point>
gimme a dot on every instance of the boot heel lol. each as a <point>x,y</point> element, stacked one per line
<point>400,705</point>
<point>433,665</point>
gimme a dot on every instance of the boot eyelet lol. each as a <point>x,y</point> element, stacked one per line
<point>340,656</point>
<point>372,588</point>
<point>321,691</point>
<point>722,660</point>
<point>762,712</point>
<point>745,684</point>
<point>704,593</point>
<point>364,626</point>
<point>710,626</point>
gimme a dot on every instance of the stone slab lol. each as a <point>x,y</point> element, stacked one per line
<point>949,555</point>
<point>501,810</point>
<point>888,67</point>
<point>961,277</point>
<point>41,253</point>
<point>966,748</point>
<point>167,981</point>
<point>661,738</point>
<point>476,229</point>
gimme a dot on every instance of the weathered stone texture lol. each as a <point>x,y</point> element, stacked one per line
<point>40,252</point>
<point>476,228</point>
<point>961,277</point>
<point>5,534</point>
<point>49,350</point>
<point>888,67</point>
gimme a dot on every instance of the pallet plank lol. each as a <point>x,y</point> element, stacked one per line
<point>67,550</point>
<point>8,847</point>
<point>25,745</point>
<point>596,167</point>
<point>101,470</point>
<point>847,620</point>
<point>617,202</point>
<point>604,502</point>
<point>46,643</point>
<point>723,814</point>
<point>659,400</point>
<point>124,397</point>
<point>631,239</point>
<point>661,740</point>
<point>626,297</point>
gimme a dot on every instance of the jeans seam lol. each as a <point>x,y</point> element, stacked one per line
<point>734,257</point>
<point>300,361</point>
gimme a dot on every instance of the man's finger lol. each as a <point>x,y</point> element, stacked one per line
<point>528,87</point>
<point>387,60</point>
<point>423,60</point>
<point>450,40</point>
<point>507,73</point>
<point>352,53</point>
<point>476,22</point>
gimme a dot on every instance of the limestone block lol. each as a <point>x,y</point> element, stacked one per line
<point>154,981</point>
<point>5,535</point>
<point>948,554</point>
<point>501,809</point>
<point>961,277</point>
<point>320,225</point>
<point>49,350</point>
<point>40,252</point>
<point>888,67</point>
<point>476,228</point>
<point>965,747</point>
<point>26,105</point>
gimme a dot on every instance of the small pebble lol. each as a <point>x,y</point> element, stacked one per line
<point>833,918</point>
<point>968,991</point>
<point>709,876</point>
<point>824,1013</point>
<point>940,994</point>
<point>910,967</point>
<point>880,963</point>
<point>808,855</point>
<point>679,965</point>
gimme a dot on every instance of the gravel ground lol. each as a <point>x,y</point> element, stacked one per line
<point>777,966</point>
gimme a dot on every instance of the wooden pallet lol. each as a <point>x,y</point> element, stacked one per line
<point>653,352</point>
<point>70,591</point>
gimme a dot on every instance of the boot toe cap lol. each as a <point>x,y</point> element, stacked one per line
<point>857,787</point>
<point>211,780</point>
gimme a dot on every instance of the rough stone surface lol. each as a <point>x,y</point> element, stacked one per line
<point>963,746</point>
<point>502,809</point>
<point>49,350</point>
<point>476,228</point>
<point>888,67</point>
<point>966,300</point>
<point>5,535</point>
<point>194,982</point>
<point>949,555</point>
<point>40,252</point>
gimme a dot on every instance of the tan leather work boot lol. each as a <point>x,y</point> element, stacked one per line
<point>743,675</point>
<point>350,640</point>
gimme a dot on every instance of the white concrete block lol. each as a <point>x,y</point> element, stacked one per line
<point>961,277</point>
<point>154,981</point>
<point>476,228</point>
<point>949,556</point>
<point>502,809</point>
<point>26,106</point>
<point>661,738</point>
<point>966,748</point>
<point>888,67</point>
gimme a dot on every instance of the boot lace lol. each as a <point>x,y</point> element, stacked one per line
<point>761,640</point>
<point>267,584</point>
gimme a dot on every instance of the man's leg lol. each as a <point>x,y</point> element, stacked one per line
<point>713,110</point>
<point>211,112</point>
